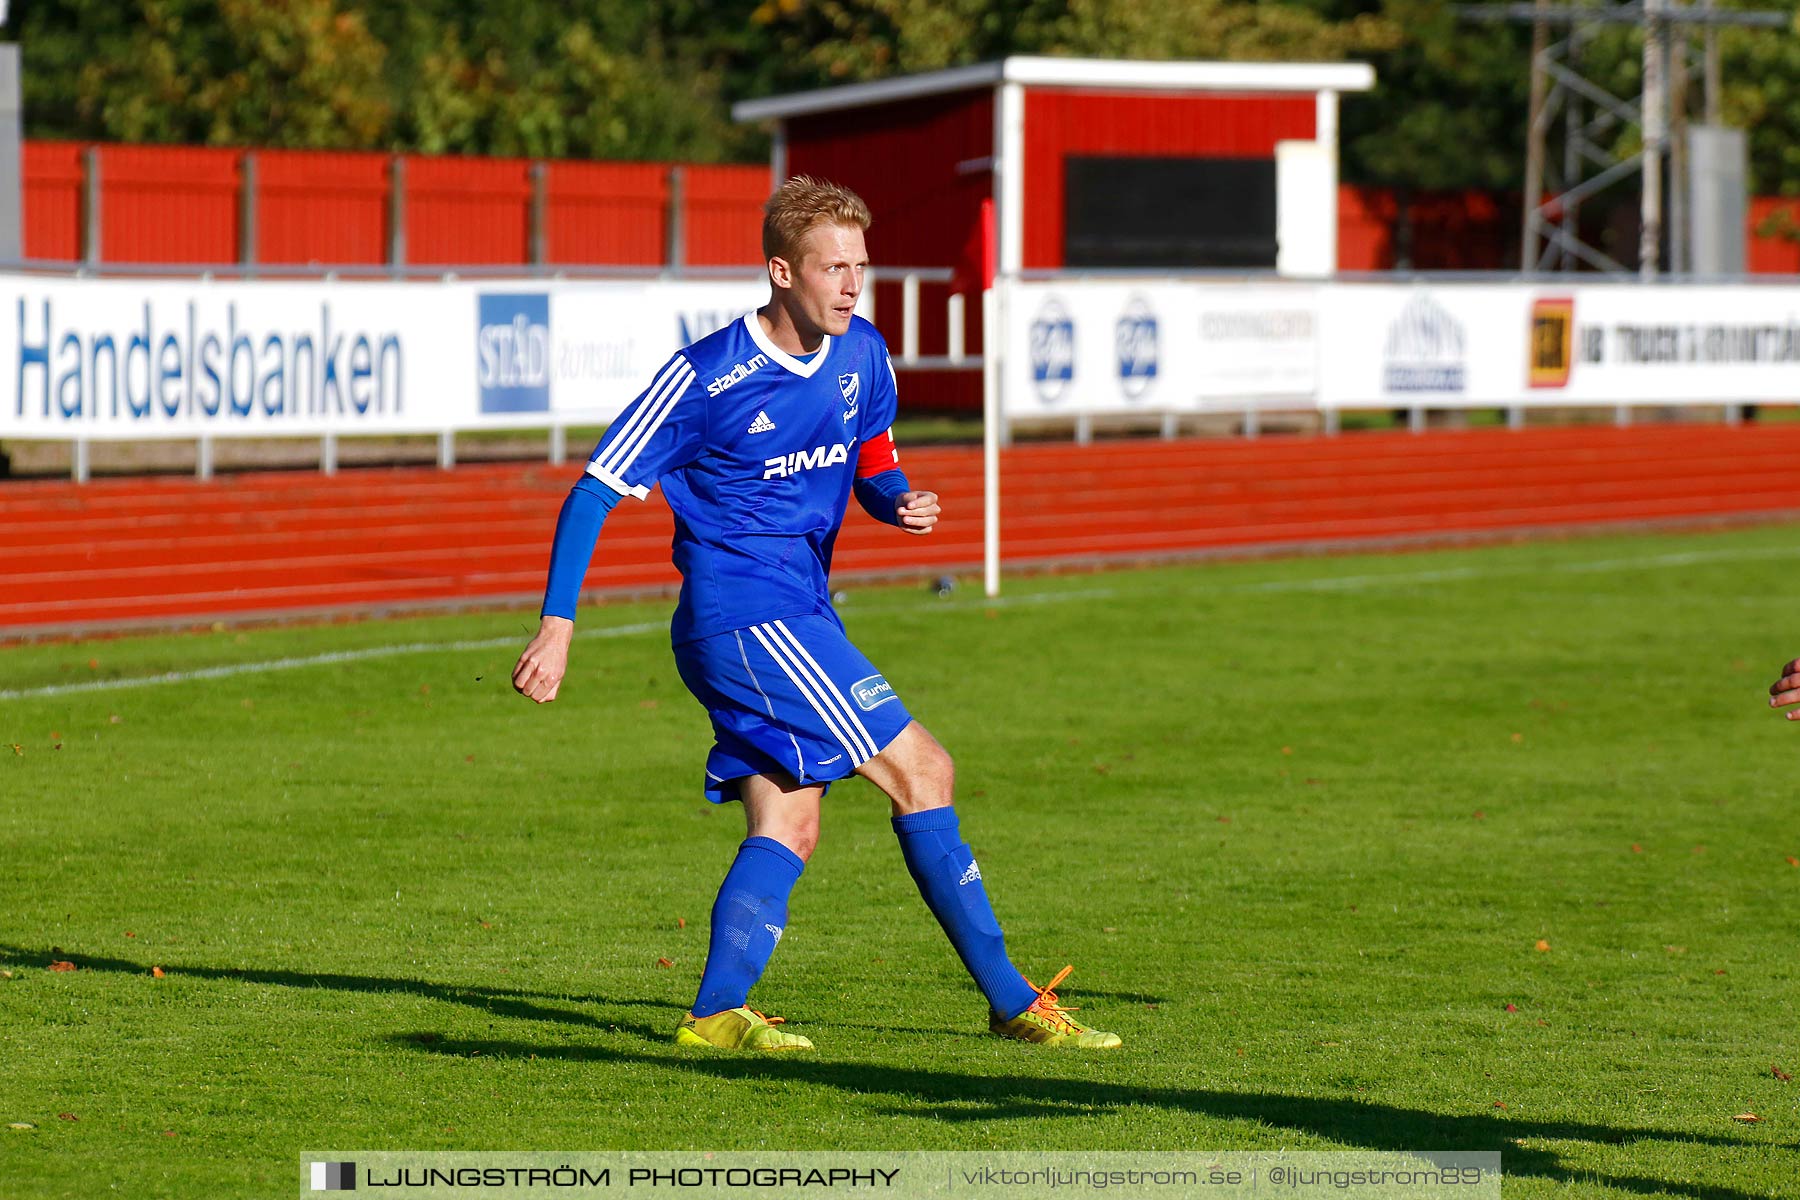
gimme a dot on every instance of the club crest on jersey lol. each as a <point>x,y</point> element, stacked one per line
<point>784,465</point>
<point>851,386</point>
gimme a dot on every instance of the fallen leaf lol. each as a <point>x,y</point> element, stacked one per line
<point>55,737</point>
<point>1512,1008</point>
<point>1542,945</point>
<point>424,689</point>
<point>1636,849</point>
<point>485,925</point>
<point>1499,1104</point>
<point>1719,971</point>
<point>665,962</point>
<point>168,1133</point>
<point>1518,737</point>
<point>61,965</point>
<point>1781,1074</point>
<point>1287,749</point>
<point>93,664</point>
<point>1699,849</point>
<point>681,922</point>
<point>468,758</point>
<point>156,972</point>
<point>6,974</point>
<point>1147,1004</point>
<point>18,749</point>
<point>1480,816</point>
<point>1748,1118</point>
<point>128,933</point>
<point>67,1117</point>
<point>1224,820</point>
<point>1792,861</point>
<point>1541,1021</point>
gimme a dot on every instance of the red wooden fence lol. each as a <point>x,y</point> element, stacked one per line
<point>179,204</point>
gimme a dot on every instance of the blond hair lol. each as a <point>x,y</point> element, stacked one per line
<point>801,205</point>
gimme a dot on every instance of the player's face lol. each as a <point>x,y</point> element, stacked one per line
<point>829,276</point>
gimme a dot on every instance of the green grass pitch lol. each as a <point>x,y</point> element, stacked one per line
<point>1485,849</point>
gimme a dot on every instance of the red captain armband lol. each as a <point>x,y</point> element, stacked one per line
<point>877,455</point>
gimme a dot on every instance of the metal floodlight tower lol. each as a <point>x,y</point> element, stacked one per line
<point>1552,239</point>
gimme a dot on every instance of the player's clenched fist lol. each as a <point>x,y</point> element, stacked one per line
<point>1786,690</point>
<point>545,661</point>
<point>918,511</point>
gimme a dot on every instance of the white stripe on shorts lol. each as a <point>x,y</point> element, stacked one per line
<point>838,698</point>
<point>807,688</point>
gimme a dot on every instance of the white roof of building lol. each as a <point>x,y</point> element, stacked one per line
<point>1111,74</point>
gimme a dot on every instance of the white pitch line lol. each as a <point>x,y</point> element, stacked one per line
<point>1327,583</point>
<point>312,660</point>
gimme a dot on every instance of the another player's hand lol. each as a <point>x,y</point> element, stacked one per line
<point>918,511</point>
<point>1786,690</point>
<point>545,661</point>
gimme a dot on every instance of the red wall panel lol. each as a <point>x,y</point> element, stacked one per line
<point>51,185</point>
<point>467,210</point>
<point>168,204</point>
<point>321,207</point>
<point>1771,254</point>
<point>723,212</point>
<point>922,166</point>
<point>607,213</point>
<point>1061,122</point>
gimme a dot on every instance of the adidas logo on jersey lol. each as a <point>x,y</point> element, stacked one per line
<point>805,460</point>
<point>969,876</point>
<point>762,424</point>
<point>776,930</point>
<point>738,373</point>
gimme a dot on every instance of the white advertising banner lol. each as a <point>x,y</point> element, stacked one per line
<point>108,359</point>
<point>1090,346</point>
<point>1447,346</point>
<point>138,360</point>
<point>1663,345</point>
<point>1423,346</point>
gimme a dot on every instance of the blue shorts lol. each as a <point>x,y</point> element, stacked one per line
<point>790,697</point>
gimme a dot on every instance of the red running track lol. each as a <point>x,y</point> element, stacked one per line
<point>119,553</point>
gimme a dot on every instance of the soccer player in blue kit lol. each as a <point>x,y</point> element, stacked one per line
<point>758,435</point>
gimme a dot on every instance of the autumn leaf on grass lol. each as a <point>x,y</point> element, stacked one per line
<point>1780,1074</point>
<point>1542,946</point>
<point>1748,1118</point>
<point>156,972</point>
<point>1512,1008</point>
<point>62,966</point>
<point>67,1117</point>
<point>665,962</point>
<point>1792,861</point>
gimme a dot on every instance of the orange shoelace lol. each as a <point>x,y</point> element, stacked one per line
<point>1052,1009</point>
<point>783,1020</point>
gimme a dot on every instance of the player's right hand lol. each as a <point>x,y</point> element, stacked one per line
<point>545,660</point>
<point>1786,690</point>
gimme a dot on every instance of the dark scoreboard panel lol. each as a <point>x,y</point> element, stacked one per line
<point>1169,212</point>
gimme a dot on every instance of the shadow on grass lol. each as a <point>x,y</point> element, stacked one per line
<point>958,1096</point>
<point>505,1002</point>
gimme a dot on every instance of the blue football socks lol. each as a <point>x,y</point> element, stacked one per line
<point>747,920</point>
<point>944,868</point>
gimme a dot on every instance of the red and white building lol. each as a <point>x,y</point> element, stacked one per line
<point>1089,163</point>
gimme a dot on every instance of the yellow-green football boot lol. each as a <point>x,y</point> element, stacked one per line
<point>1047,1022</point>
<point>737,1029</point>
